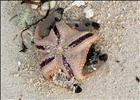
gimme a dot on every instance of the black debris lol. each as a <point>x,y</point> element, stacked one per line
<point>117,61</point>
<point>24,48</point>
<point>137,79</point>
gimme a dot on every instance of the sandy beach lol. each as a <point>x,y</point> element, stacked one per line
<point>118,78</point>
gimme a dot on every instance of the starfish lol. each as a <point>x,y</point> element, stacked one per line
<point>64,48</point>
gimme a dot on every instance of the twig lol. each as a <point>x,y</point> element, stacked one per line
<point>24,48</point>
<point>13,17</point>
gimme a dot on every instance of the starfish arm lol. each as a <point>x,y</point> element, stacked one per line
<point>47,72</point>
<point>68,49</point>
<point>50,68</point>
<point>77,56</point>
<point>50,40</point>
<point>65,31</point>
<point>54,66</point>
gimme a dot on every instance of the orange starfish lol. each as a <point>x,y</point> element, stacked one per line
<point>64,48</point>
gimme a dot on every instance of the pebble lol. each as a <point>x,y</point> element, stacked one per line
<point>45,6</point>
<point>79,3</point>
<point>19,63</point>
<point>94,68</point>
<point>31,80</point>
<point>34,6</point>
<point>16,74</point>
<point>76,3</point>
<point>98,21</point>
<point>42,12</point>
<point>88,12</point>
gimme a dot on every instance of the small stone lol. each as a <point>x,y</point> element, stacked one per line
<point>88,12</point>
<point>34,6</point>
<point>45,6</point>
<point>42,12</point>
<point>31,80</point>
<point>16,75</point>
<point>19,63</point>
<point>98,21</point>
<point>52,4</point>
<point>78,3</point>
<point>93,68</point>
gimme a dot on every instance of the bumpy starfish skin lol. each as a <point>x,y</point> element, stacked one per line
<point>64,48</point>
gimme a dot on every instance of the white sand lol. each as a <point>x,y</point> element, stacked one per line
<point>120,33</point>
